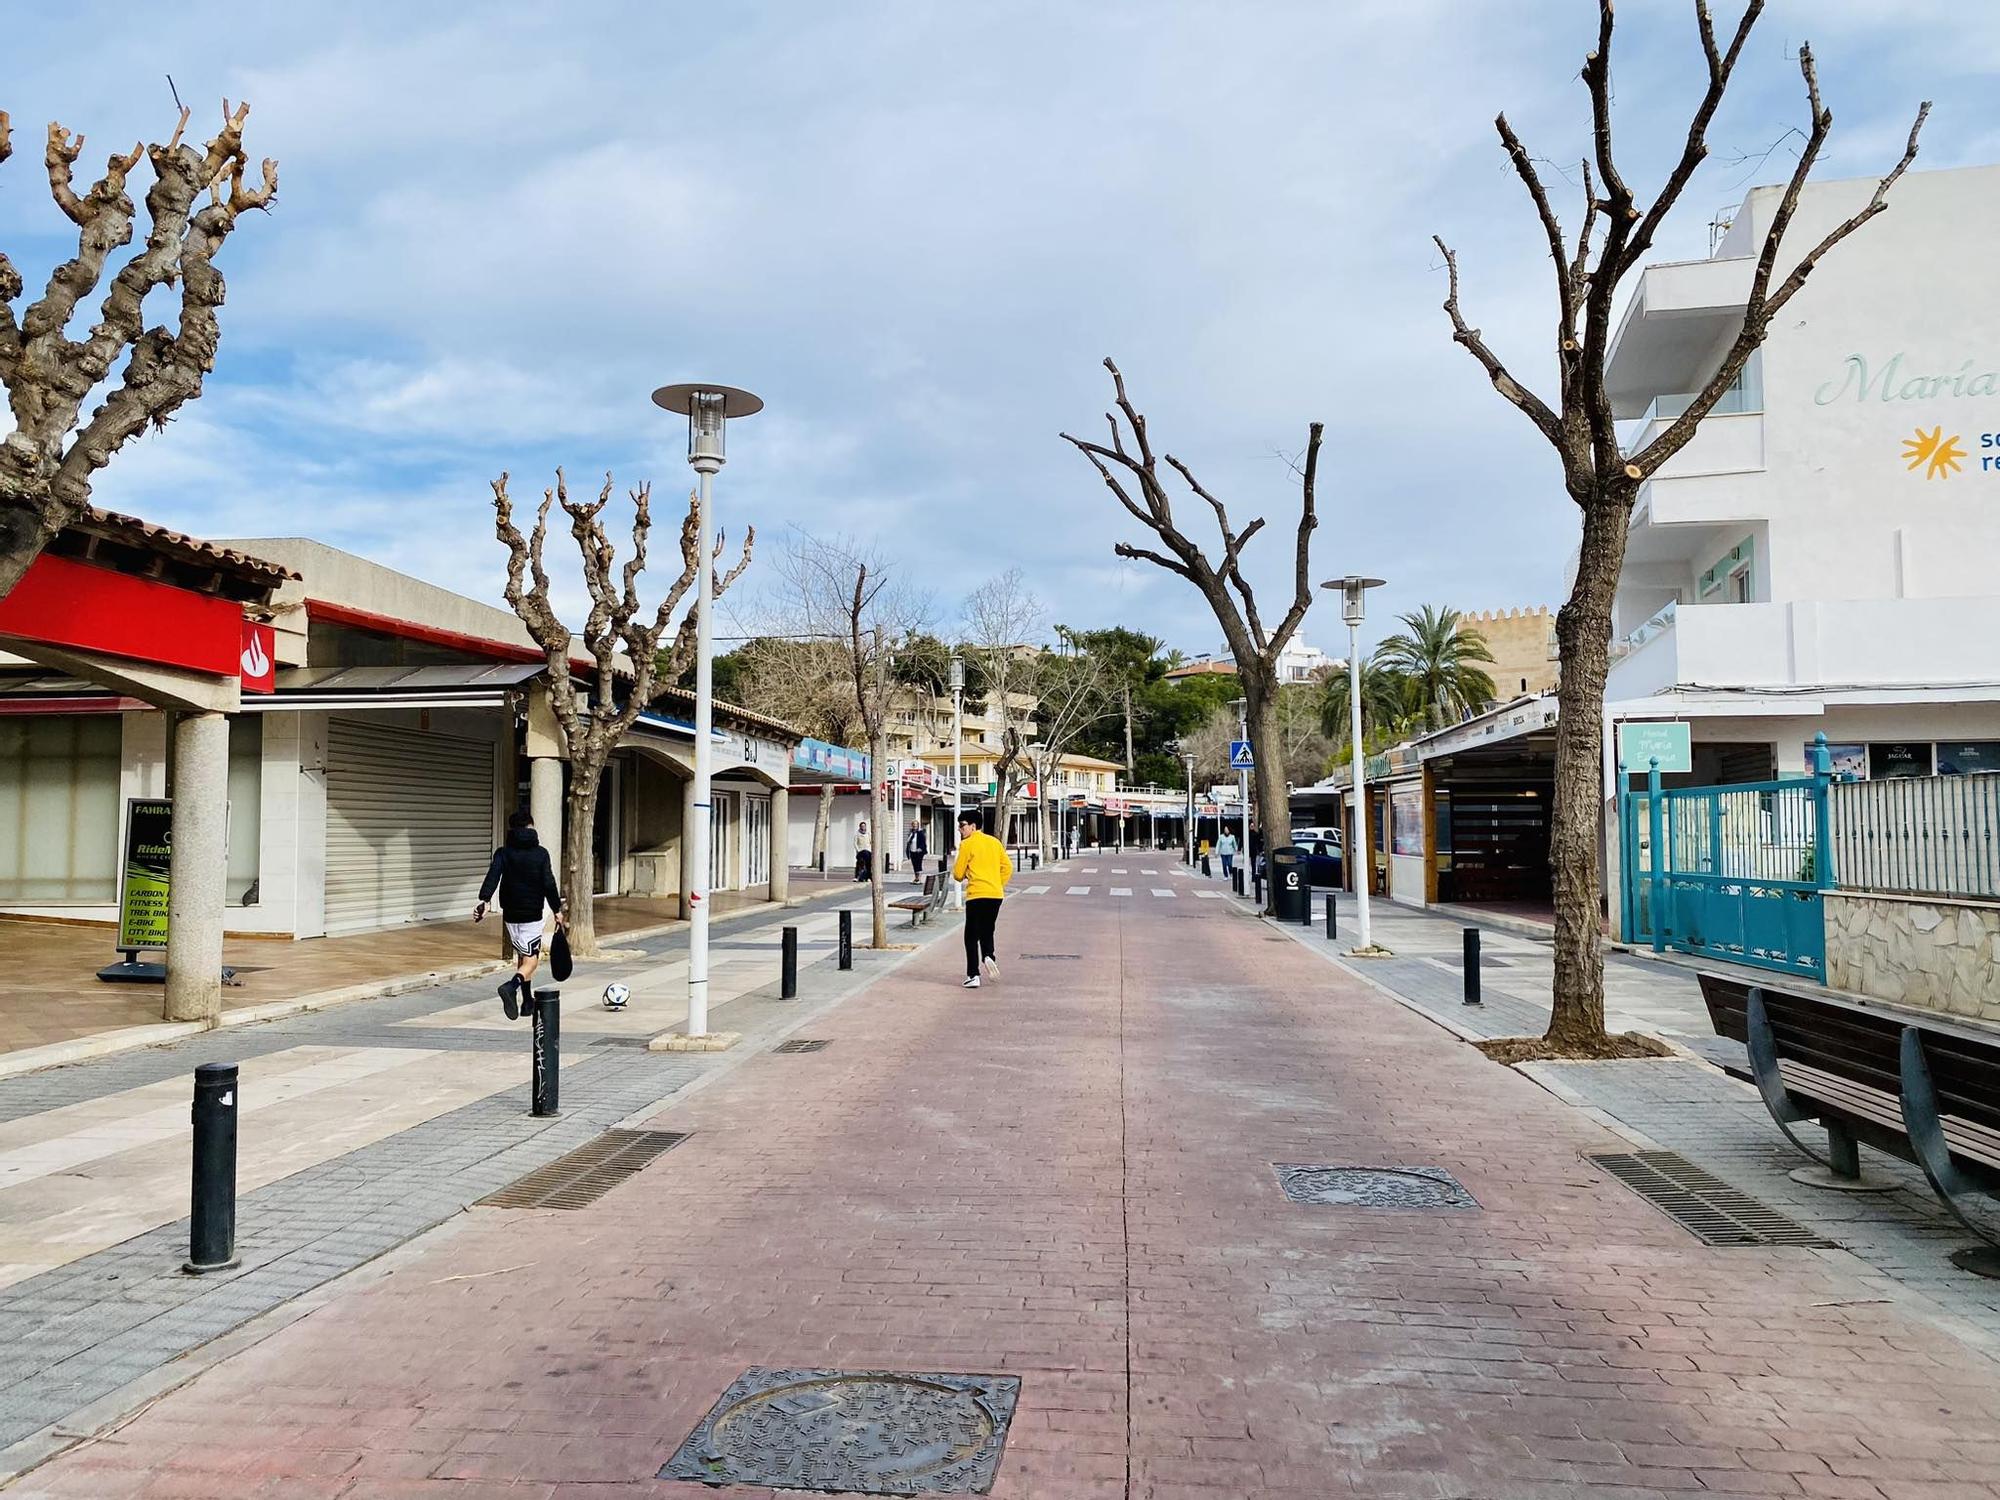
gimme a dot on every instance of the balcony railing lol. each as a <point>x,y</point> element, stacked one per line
<point>1658,623</point>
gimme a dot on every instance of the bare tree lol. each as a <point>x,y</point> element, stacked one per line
<point>803,683</point>
<point>1002,621</point>
<point>1221,582</point>
<point>1600,476</point>
<point>1072,691</point>
<point>48,461</point>
<point>838,591</point>
<point>619,638</point>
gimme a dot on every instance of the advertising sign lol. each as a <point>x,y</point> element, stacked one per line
<point>258,662</point>
<point>1639,742</point>
<point>142,885</point>
<point>1894,760</point>
<point>1406,814</point>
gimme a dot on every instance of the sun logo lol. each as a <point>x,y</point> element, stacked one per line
<point>1935,453</point>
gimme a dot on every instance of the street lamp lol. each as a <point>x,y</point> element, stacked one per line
<point>957,752</point>
<point>1353,601</point>
<point>1242,707</point>
<point>708,409</point>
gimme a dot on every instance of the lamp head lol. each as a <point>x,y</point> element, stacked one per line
<point>708,408</point>
<point>957,673</point>
<point>1353,589</point>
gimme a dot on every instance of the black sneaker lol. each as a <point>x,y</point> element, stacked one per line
<point>510,999</point>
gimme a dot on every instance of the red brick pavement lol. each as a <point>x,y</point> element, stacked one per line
<point>1068,1176</point>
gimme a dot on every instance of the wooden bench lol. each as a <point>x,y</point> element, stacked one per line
<point>1923,1088</point>
<point>921,905</point>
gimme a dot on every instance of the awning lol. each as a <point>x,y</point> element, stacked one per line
<point>461,685</point>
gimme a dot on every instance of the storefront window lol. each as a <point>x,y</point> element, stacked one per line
<point>1968,757</point>
<point>59,809</point>
<point>1406,814</point>
<point>1901,759</point>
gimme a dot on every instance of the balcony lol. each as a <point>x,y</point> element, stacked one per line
<point>1681,313</point>
<point>1827,644</point>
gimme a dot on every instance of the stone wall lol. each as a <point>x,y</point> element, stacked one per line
<point>1931,952</point>
<point>1523,643</point>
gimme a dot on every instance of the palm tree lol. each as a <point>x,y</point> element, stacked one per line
<point>1384,701</point>
<point>1436,655</point>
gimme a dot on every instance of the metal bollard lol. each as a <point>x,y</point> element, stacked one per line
<point>1472,966</point>
<point>212,1213</point>
<point>1257,892</point>
<point>847,940</point>
<point>1306,908</point>
<point>1034,861</point>
<point>788,965</point>
<point>547,1028</point>
<point>1332,931</point>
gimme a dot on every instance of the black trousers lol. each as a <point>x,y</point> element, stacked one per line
<point>980,917</point>
<point>917,866</point>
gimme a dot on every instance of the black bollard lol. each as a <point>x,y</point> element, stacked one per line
<point>547,1024</point>
<point>212,1214</point>
<point>847,940</point>
<point>1472,966</point>
<point>1306,909</point>
<point>1035,861</point>
<point>1257,890</point>
<point>788,966</point>
<point>1332,931</point>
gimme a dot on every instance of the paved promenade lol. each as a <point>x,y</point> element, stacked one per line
<point>1069,1177</point>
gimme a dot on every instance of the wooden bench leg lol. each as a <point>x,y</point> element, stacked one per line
<point>1926,1130</point>
<point>1840,1168</point>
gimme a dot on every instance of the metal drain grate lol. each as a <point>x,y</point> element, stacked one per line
<point>1374,1187</point>
<point>1051,955</point>
<point>866,1432</point>
<point>1704,1205</point>
<point>587,1173</point>
<point>802,1044</point>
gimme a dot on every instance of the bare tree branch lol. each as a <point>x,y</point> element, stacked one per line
<point>1536,409</point>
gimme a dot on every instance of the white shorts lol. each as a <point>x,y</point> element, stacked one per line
<point>526,938</point>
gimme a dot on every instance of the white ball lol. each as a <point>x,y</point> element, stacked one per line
<point>615,996</point>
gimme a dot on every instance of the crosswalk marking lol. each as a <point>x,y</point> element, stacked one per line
<point>1121,872</point>
<point>1149,872</point>
<point>1088,870</point>
<point>1121,890</point>
<point>1078,890</point>
<point>1157,891</point>
<point>1209,895</point>
<point>1036,890</point>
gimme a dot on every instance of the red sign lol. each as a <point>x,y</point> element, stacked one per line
<point>83,608</point>
<point>259,660</point>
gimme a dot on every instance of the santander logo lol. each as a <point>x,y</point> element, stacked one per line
<point>259,669</point>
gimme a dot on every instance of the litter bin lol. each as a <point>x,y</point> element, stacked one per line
<point>1291,892</point>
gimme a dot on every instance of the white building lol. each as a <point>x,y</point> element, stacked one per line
<point>1822,556</point>
<point>1298,662</point>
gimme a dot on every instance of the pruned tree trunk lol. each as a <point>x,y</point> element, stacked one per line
<point>1603,480</point>
<point>822,822</point>
<point>578,849</point>
<point>1272,802</point>
<point>49,460</point>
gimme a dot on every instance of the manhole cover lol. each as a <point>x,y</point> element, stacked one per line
<point>1374,1187</point>
<point>802,1044</point>
<point>1051,955</point>
<point>870,1432</point>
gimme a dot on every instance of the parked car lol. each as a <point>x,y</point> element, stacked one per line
<point>1316,834</point>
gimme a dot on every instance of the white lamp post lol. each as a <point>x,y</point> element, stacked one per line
<point>1188,761</point>
<point>1353,600</point>
<point>708,409</point>
<point>1242,707</point>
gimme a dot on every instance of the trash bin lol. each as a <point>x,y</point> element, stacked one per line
<point>1291,891</point>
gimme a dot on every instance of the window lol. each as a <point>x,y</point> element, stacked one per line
<point>60,809</point>
<point>246,818</point>
<point>1739,586</point>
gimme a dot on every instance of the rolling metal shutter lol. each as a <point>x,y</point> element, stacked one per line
<point>409,825</point>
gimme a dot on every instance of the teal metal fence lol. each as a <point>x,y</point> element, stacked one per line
<point>1730,872</point>
<point>1924,836</point>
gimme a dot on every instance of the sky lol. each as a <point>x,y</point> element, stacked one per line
<point>916,229</point>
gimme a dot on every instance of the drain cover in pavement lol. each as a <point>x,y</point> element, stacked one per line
<point>1374,1187</point>
<point>586,1174</point>
<point>1051,955</point>
<point>869,1432</point>
<point>1703,1204</point>
<point>802,1044</point>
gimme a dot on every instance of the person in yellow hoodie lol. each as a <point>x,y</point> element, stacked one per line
<point>983,865</point>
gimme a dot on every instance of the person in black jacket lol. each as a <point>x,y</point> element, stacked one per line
<point>916,845</point>
<point>523,875</point>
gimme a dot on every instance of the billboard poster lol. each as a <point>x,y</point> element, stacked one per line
<point>142,885</point>
<point>1968,757</point>
<point>1894,760</point>
<point>1406,815</point>
<point>1847,762</point>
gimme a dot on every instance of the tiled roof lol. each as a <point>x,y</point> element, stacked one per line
<point>683,699</point>
<point>178,545</point>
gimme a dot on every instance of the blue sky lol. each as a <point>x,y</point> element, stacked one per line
<point>915,229</point>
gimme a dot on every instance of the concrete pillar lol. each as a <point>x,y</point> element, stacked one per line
<point>199,862</point>
<point>687,844</point>
<point>781,822</point>
<point>545,805</point>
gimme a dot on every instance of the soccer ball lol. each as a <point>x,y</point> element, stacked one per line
<point>615,996</point>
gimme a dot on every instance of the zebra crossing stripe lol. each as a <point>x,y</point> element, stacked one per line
<point>1036,890</point>
<point>1121,890</point>
<point>1077,890</point>
<point>1210,895</point>
<point>1157,891</point>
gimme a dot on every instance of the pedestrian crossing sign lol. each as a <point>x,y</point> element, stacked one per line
<point>1239,756</point>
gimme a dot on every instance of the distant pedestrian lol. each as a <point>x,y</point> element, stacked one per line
<point>1226,848</point>
<point>523,875</point>
<point>916,845</point>
<point>983,865</point>
<point>1206,849</point>
<point>864,856</point>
